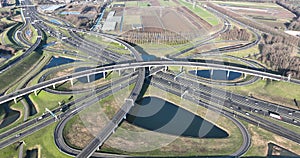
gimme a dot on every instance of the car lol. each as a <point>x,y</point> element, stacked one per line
<point>255,110</point>
<point>247,113</point>
<point>256,103</point>
<point>247,99</point>
<point>18,135</point>
<point>295,121</point>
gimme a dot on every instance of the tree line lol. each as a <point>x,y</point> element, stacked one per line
<point>295,23</point>
<point>236,34</point>
<point>276,53</point>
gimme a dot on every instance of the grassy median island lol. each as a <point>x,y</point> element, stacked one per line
<point>76,132</point>
<point>260,139</point>
<point>42,139</point>
<point>47,100</point>
<point>278,92</point>
<point>80,129</point>
<point>14,73</point>
<point>125,137</point>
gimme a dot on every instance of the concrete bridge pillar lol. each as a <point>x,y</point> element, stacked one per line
<point>245,75</point>
<point>134,69</point>
<point>289,77</point>
<point>88,78</point>
<point>72,83</point>
<point>211,72</point>
<point>181,68</point>
<point>53,86</point>
<point>196,70</point>
<point>15,100</point>
<point>119,72</point>
<point>104,75</point>
<point>35,92</point>
<point>124,117</point>
<point>166,68</point>
<point>228,73</point>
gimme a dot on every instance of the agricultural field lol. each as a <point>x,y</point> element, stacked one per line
<point>269,14</point>
<point>167,18</point>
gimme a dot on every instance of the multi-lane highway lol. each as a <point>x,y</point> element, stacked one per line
<point>143,64</point>
<point>29,50</point>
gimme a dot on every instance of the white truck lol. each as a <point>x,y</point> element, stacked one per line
<point>275,115</point>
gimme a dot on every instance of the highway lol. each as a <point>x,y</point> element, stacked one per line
<point>143,64</point>
<point>236,100</point>
<point>25,54</point>
<point>215,99</point>
<point>8,137</point>
<point>233,104</point>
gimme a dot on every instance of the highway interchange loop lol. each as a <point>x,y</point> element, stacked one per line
<point>160,76</point>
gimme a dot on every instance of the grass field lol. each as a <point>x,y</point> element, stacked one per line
<point>245,52</point>
<point>169,3</point>
<point>203,13</point>
<point>248,4</point>
<point>42,139</point>
<point>47,100</point>
<point>137,4</point>
<point>282,93</point>
<point>34,34</point>
<point>16,72</point>
<point>260,139</point>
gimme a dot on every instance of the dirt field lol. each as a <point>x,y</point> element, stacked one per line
<point>154,3</point>
<point>267,13</point>
<point>151,21</point>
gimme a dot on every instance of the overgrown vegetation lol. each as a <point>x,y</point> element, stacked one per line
<point>295,23</point>
<point>237,34</point>
<point>277,53</point>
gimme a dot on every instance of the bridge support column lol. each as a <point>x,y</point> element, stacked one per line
<point>72,83</point>
<point>15,100</point>
<point>88,78</point>
<point>289,77</point>
<point>53,86</point>
<point>245,75</point>
<point>196,70</point>
<point>35,92</point>
<point>183,94</point>
<point>211,72</point>
<point>119,72</point>
<point>104,75</point>
<point>166,68</point>
<point>181,68</point>
<point>228,73</point>
<point>134,69</point>
<point>124,117</point>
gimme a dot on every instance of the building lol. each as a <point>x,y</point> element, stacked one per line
<point>111,21</point>
<point>109,26</point>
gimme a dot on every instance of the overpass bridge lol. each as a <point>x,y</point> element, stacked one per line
<point>141,64</point>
